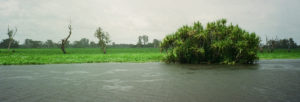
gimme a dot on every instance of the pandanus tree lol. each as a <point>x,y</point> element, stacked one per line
<point>65,40</point>
<point>216,43</point>
<point>11,34</point>
<point>103,38</point>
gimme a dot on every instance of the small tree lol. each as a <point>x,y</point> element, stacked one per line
<point>292,43</point>
<point>29,43</point>
<point>139,43</point>
<point>156,43</point>
<point>93,44</point>
<point>64,41</point>
<point>142,40</point>
<point>103,38</point>
<point>11,34</point>
<point>49,44</point>
<point>145,39</point>
<point>82,43</point>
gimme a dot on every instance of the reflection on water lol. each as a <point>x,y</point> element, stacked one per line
<point>270,80</point>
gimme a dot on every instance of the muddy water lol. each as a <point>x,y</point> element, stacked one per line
<point>268,81</point>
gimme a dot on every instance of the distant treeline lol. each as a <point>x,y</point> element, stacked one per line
<point>278,44</point>
<point>281,43</point>
<point>142,42</point>
<point>82,43</point>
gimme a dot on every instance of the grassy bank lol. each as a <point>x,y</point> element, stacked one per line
<point>281,54</point>
<point>94,55</point>
<point>79,55</point>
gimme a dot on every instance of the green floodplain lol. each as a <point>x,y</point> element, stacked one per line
<point>95,55</point>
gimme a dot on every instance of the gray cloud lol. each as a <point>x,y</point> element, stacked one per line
<point>126,19</point>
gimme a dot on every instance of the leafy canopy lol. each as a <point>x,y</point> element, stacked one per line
<point>216,43</point>
<point>103,38</point>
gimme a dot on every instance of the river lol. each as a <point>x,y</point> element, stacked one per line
<point>267,81</point>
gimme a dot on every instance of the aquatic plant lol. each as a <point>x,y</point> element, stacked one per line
<point>217,43</point>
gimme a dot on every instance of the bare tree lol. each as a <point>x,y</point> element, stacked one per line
<point>64,41</point>
<point>139,43</point>
<point>11,34</point>
<point>156,43</point>
<point>142,41</point>
<point>103,38</point>
<point>145,39</point>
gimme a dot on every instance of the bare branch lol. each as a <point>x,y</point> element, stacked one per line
<point>15,32</point>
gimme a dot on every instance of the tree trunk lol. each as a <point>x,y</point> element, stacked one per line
<point>63,47</point>
<point>104,50</point>
<point>64,41</point>
<point>9,44</point>
<point>272,49</point>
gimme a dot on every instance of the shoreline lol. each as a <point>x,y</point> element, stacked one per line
<point>44,56</point>
<point>147,62</point>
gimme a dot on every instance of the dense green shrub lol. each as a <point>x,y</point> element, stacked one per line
<point>4,43</point>
<point>217,43</point>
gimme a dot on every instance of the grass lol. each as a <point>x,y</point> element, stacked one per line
<point>95,55</point>
<point>281,54</point>
<point>79,55</point>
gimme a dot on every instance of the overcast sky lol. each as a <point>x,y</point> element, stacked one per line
<point>125,20</point>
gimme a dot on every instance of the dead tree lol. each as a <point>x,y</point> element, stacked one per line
<point>11,34</point>
<point>64,41</point>
<point>289,46</point>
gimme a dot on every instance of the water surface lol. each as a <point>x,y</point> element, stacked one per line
<point>268,81</point>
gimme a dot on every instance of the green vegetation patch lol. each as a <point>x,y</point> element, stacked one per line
<point>79,55</point>
<point>218,42</point>
<point>95,55</point>
<point>281,54</point>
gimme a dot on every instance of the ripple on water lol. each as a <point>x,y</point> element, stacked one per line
<point>113,81</point>
<point>279,67</point>
<point>55,72</point>
<point>150,80</point>
<point>76,72</point>
<point>115,70</point>
<point>151,75</point>
<point>62,78</point>
<point>21,77</point>
<point>117,87</point>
